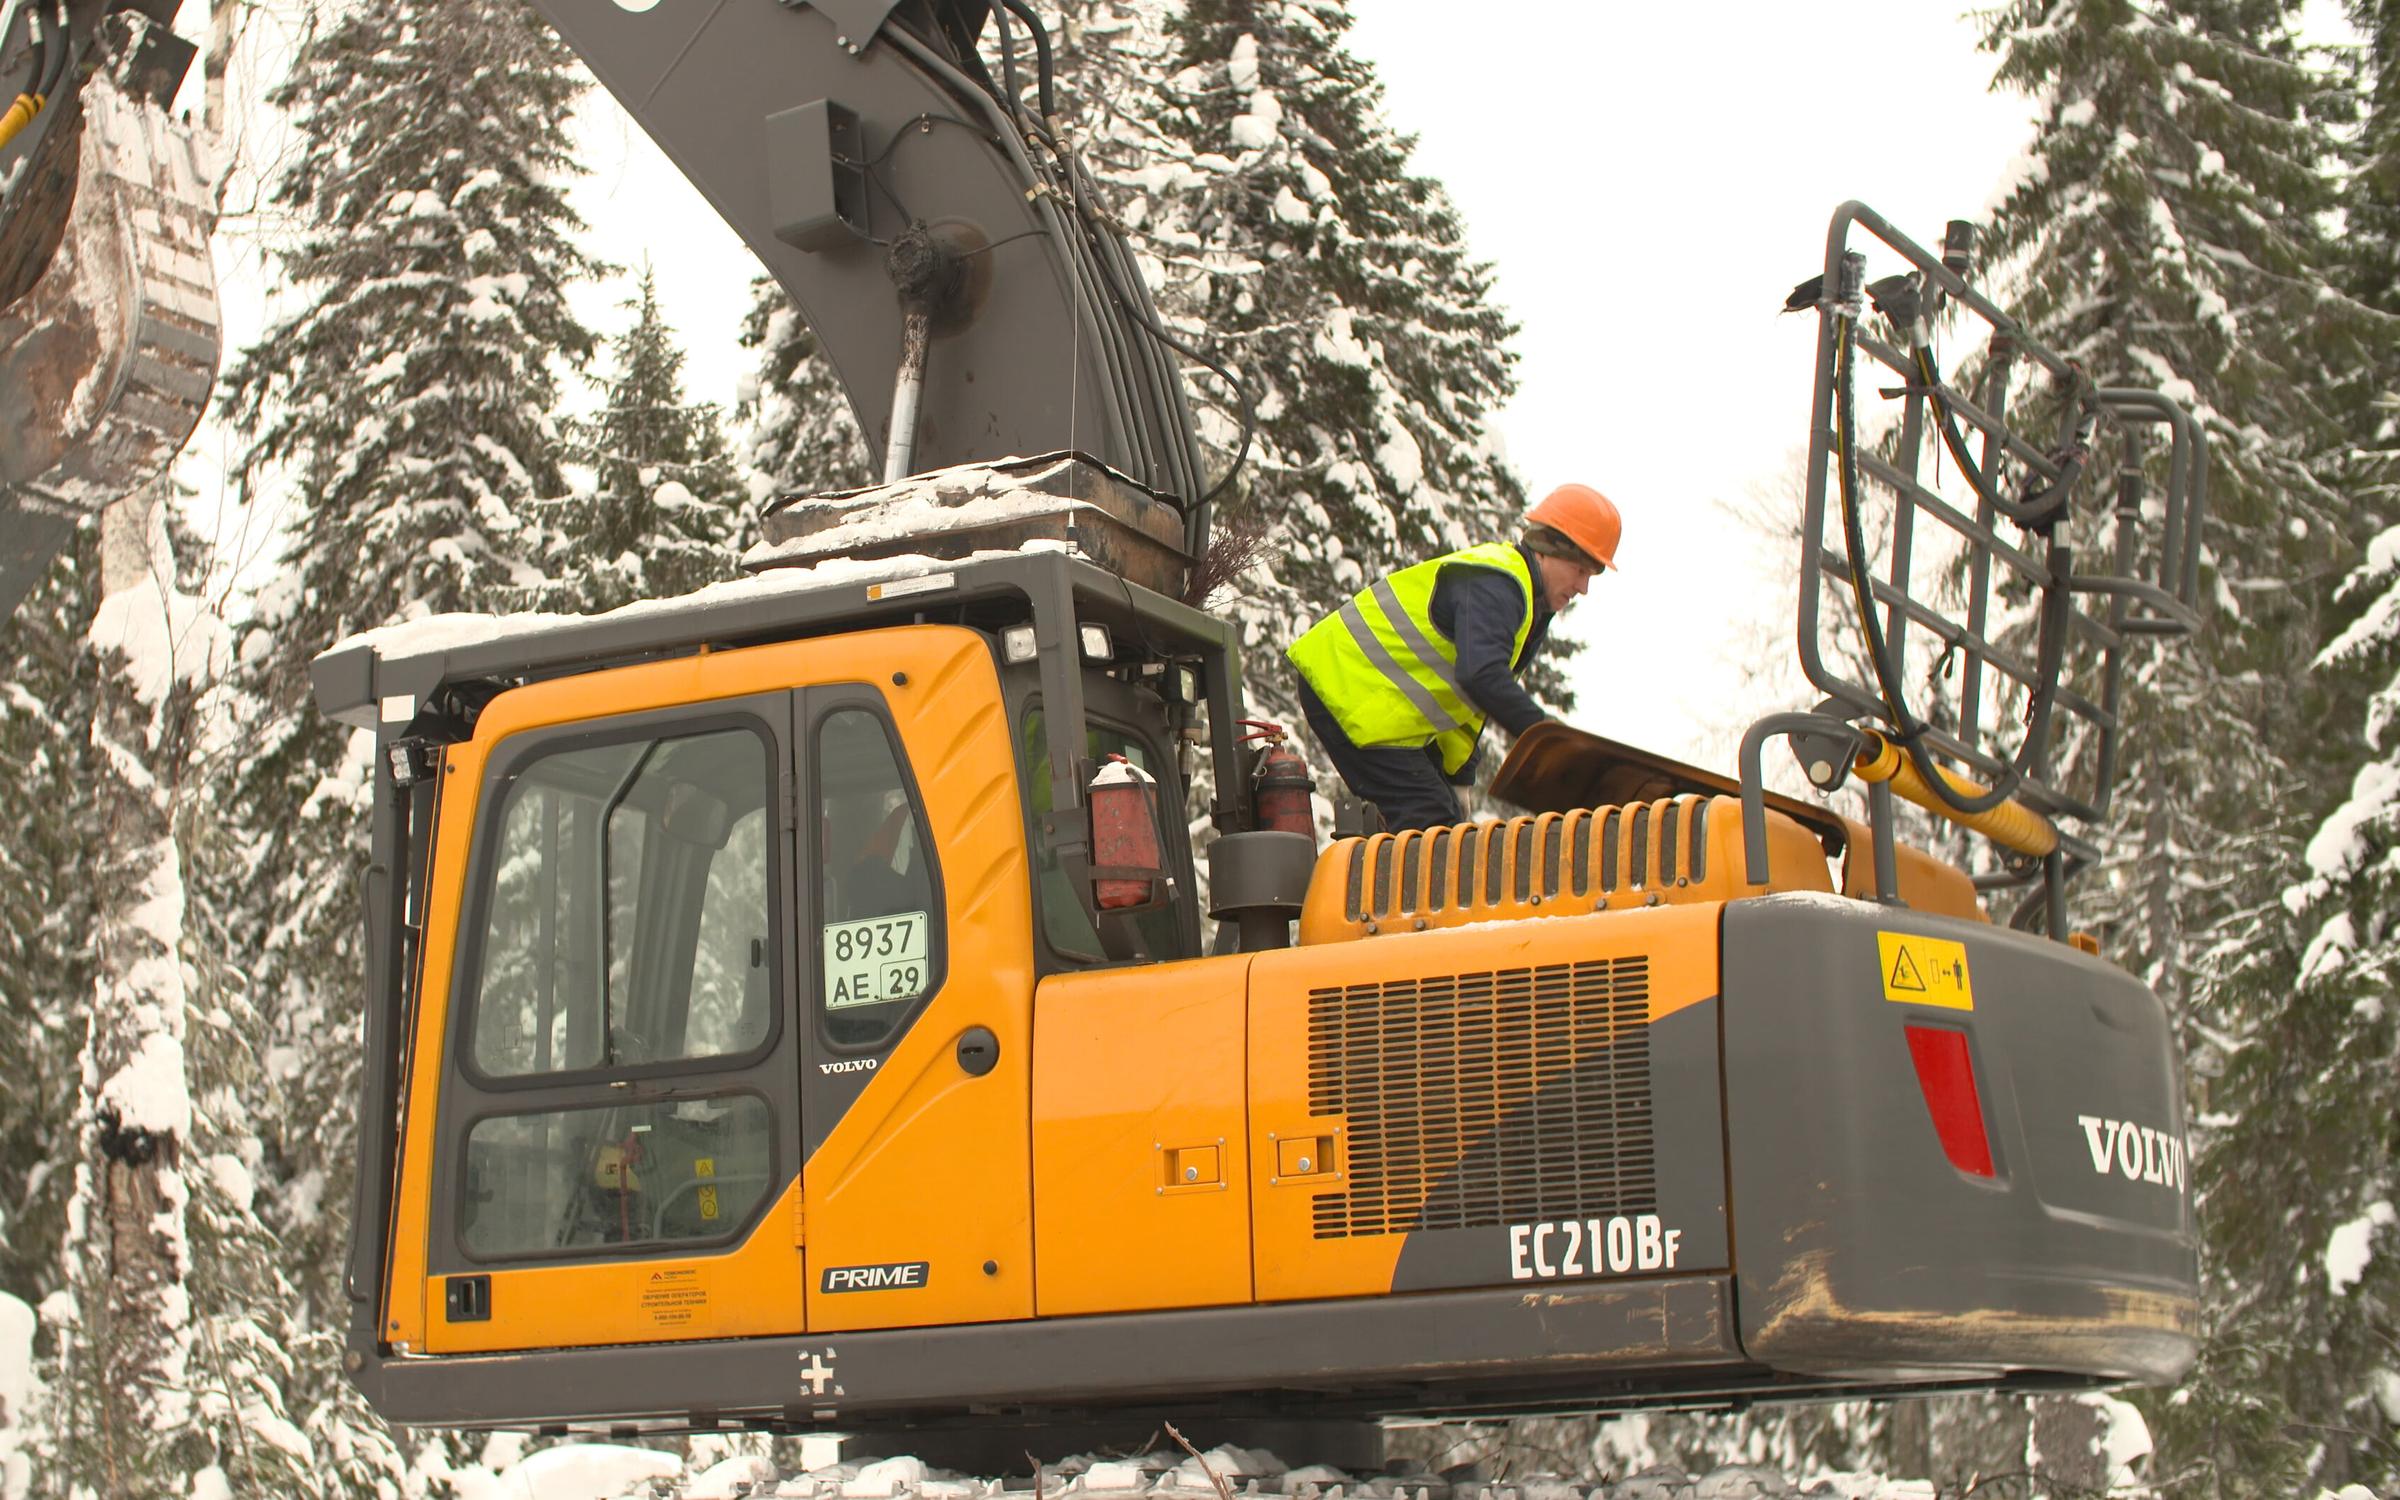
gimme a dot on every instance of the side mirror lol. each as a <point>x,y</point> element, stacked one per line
<point>1129,862</point>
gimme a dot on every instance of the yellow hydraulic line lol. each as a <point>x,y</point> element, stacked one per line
<point>2011,824</point>
<point>20,115</point>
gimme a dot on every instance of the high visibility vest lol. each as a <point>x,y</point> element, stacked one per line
<point>1387,675</point>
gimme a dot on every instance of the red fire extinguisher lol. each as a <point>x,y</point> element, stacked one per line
<point>1280,785</point>
<point>1124,806</point>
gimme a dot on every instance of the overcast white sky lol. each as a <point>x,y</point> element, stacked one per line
<point>1647,190</point>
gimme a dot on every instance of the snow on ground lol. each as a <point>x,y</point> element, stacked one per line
<point>579,1469</point>
<point>571,1471</point>
<point>594,1471</point>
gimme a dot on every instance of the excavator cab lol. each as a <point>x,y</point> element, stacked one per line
<point>676,890</point>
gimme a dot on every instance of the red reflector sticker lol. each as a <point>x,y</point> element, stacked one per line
<point>1947,1075</point>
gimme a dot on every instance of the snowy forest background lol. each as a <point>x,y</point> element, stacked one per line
<point>2210,205</point>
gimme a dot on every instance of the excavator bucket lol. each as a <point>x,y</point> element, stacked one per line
<point>108,307</point>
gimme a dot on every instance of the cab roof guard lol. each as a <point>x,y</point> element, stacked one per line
<point>1945,618</point>
<point>389,679</point>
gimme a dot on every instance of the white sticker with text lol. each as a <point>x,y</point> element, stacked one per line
<point>876,960</point>
<point>1592,1247</point>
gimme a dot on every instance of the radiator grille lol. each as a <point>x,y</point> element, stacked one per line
<point>1479,1100</point>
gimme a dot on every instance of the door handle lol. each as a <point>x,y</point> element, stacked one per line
<point>978,1051</point>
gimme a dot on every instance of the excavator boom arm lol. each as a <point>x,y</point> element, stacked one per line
<point>823,132</point>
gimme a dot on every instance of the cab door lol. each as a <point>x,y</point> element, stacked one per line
<point>917,1047</point>
<point>725,1011</point>
<point>601,1142</point>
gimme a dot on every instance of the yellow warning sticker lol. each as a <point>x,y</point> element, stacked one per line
<point>708,1203</point>
<point>1925,971</point>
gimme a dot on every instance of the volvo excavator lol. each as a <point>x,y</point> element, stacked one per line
<point>802,1005</point>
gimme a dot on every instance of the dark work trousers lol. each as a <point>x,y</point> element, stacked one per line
<point>1404,782</point>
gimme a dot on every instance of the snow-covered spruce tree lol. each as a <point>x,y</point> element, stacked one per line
<point>796,428</point>
<point>667,509</point>
<point>401,416</point>
<point>2307,1168</point>
<point>2305,1172</point>
<point>46,830</point>
<point>2166,234</point>
<point>1283,227</point>
<point>240,1292</point>
<point>150,1341</point>
<point>61,803</point>
<point>2169,233</point>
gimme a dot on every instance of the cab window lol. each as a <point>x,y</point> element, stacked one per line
<point>879,929</point>
<point>626,909</point>
<point>1065,922</point>
<point>615,1174</point>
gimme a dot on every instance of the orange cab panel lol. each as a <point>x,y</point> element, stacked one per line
<point>758,1286</point>
<point>1140,1159</point>
<point>916,1159</point>
<point>920,1196</point>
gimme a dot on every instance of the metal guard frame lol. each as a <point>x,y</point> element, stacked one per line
<point>2146,592</point>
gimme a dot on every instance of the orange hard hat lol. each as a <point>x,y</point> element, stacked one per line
<point>1583,516</point>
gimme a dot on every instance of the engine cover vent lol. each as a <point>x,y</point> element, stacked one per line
<point>1480,1100</point>
<point>1675,850</point>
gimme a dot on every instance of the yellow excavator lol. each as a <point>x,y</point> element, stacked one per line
<point>803,1005</point>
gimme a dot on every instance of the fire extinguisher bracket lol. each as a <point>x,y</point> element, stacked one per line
<point>1263,871</point>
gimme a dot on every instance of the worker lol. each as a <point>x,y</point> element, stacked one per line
<point>1399,682</point>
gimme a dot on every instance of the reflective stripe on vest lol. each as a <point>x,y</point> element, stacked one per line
<point>1387,675</point>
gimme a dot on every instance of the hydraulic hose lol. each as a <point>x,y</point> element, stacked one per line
<point>61,44</point>
<point>1887,673</point>
<point>1008,58</point>
<point>2009,822</point>
<point>2036,514</point>
<point>1078,200</point>
<point>1147,320</point>
<point>29,103</point>
<point>20,114</point>
<point>1045,69</point>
